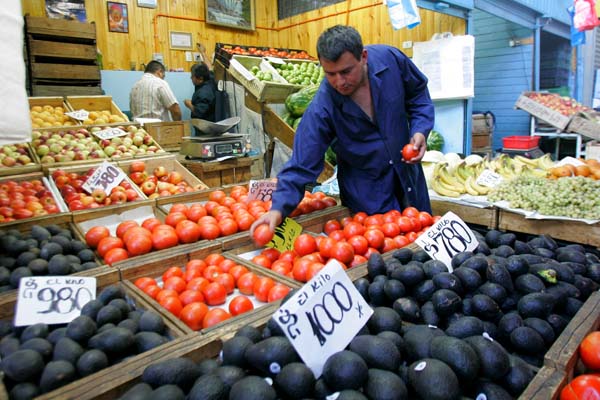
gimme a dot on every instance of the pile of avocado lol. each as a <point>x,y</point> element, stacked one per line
<point>49,250</point>
<point>40,358</point>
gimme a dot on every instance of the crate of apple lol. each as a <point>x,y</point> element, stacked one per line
<point>70,186</point>
<point>15,155</point>
<point>137,142</point>
<point>65,146</point>
<point>160,181</point>
<point>25,199</point>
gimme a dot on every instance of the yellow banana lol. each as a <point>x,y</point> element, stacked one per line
<point>545,162</point>
<point>531,162</point>
<point>437,186</point>
<point>450,180</point>
<point>460,188</point>
<point>482,190</point>
<point>469,188</point>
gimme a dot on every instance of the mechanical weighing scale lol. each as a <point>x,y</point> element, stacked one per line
<point>213,140</point>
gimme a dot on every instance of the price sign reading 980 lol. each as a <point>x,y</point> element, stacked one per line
<point>261,189</point>
<point>80,115</point>
<point>446,238</point>
<point>109,133</point>
<point>52,299</point>
<point>323,316</point>
<point>105,177</point>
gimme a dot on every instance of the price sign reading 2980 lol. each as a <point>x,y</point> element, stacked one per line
<point>105,177</point>
<point>446,238</point>
<point>323,316</point>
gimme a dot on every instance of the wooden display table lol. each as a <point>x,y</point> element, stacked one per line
<point>487,217</point>
<point>220,173</point>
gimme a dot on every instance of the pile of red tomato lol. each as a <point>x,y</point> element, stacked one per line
<point>188,292</point>
<point>25,199</point>
<point>350,241</point>
<point>221,215</point>
<point>586,386</point>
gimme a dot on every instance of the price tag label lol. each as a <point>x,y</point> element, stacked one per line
<point>488,178</point>
<point>109,133</point>
<point>275,60</point>
<point>446,238</point>
<point>285,234</point>
<point>52,299</point>
<point>105,177</point>
<point>80,115</point>
<point>261,189</point>
<point>323,316</point>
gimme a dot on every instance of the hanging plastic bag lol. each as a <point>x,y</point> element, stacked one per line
<point>585,17</point>
<point>577,37</point>
<point>403,13</point>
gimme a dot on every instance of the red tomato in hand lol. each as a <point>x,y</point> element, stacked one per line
<point>582,387</point>
<point>409,152</point>
<point>262,235</point>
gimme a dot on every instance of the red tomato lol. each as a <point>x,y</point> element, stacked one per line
<point>401,241</point>
<point>163,237</point>
<point>172,271</point>
<point>95,234</point>
<point>305,244</point>
<point>152,290</point>
<point>409,152</point>
<point>388,245</point>
<point>107,244</point>
<point>279,291</point>
<point>405,224</point>
<point>357,260</point>
<point>215,316</point>
<point>142,282</point>
<point>237,270</point>
<point>197,283</point>
<point>164,293</point>
<point>226,265</point>
<point>343,251</point>
<point>172,304</point>
<point>425,218</point>
<point>353,228</point>
<point>589,351</point>
<point>261,288</point>
<point>211,272</point>
<point>374,237</point>
<point>288,255</point>
<point>582,388</point>
<point>209,231</point>
<point>360,217</point>
<point>262,235</point>
<point>214,293</point>
<point>271,253</point>
<point>193,315</point>
<point>300,268</point>
<point>217,196</point>
<point>390,229</point>
<point>262,260</point>
<point>214,259</point>
<point>173,218</point>
<point>332,225</point>
<point>114,255</point>
<point>338,235</point>
<point>325,246</point>
<point>245,283</point>
<point>176,283</point>
<point>313,269</point>
<point>195,212</point>
<point>187,231</point>
<point>191,296</point>
<point>359,243</point>
<point>281,267</point>
<point>151,223</point>
<point>410,212</point>
<point>124,226</point>
<point>138,245</point>
<point>375,219</point>
<point>227,281</point>
<point>228,226</point>
<point>239,305</point>
<point>178,207</point>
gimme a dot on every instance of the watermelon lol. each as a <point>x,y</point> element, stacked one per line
<point>435,141</point>
<point>296,123</point>
<point>296,103</point>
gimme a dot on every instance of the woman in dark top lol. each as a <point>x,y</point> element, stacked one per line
<point>202,104</point>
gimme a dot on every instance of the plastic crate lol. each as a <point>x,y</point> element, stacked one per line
<point>520,142</point>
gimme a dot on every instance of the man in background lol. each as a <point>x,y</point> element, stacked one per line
<point>152,97</point>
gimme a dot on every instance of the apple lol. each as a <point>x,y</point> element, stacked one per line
<point>175,177</point>
<point>160,171</point>
<point>161,185</point>
<point>118,197</point>
<point>137,166</point>
<point>9,161</point>
<point>138,177</point>
<point>148,187</point>
<point>99,195</point>
<point>131,194</point>
<point>87,200</point>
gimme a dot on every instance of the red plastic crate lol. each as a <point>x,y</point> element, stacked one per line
<point>520,142</point>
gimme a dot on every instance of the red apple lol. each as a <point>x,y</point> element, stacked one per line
<point>148,187</point>
<point>175,177</point>
<point>160,171</point>
<point>99,195</point>
<point>76,205</point>
<point>138,177</point>
<point>137,166</point>
<point>118,197</point>
<point>131,194</point>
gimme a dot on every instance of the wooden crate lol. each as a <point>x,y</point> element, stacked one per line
<point>168,134</point>
<point>53,101</point>
<point>170,162</point>
<point>21,169</point>
<point>545,385</point>
<point>572,231</point>
<point>263,91</point>
<point>60,28</point>
<point>221,173</point>
<point>275,126</point>
<point>69,89</point>
<point>97,103</point>
<point>487,217</point>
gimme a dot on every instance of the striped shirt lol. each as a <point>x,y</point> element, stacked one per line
<point>151,97</point>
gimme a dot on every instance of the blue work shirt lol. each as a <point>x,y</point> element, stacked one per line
<point>371,175</point>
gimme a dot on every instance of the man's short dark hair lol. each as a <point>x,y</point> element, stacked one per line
<point>337,40</point>
<point>201,70</point>
<point>154,67</point>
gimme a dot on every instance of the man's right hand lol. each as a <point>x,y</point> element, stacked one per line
<point>272,218</point>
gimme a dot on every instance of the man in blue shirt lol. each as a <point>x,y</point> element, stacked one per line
<point>373,101</point>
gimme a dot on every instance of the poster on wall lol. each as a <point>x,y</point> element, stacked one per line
<point>118,20</point>
<point>237,14</point>
<point>72,9</point>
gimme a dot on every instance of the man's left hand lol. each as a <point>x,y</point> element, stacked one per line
<point>419,143</point>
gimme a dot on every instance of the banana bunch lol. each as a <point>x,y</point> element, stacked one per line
<point>461,181</point>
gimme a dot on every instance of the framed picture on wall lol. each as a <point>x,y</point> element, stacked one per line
<point>238,14</point>
<point>180,40</point>
<point>118,18</point>
<point>147,3</point>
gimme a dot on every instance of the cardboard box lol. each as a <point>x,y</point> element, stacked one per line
<point>586,125</point>
<point>482,124</point>
<point>542,112</point>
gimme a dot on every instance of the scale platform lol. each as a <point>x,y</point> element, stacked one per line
<point>213,140</point>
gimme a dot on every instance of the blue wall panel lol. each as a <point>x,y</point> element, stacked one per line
<point>502,73</point>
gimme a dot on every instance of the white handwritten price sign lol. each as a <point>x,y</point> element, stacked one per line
<point>488,178</point>
<point>109,133</point>
<point>285,234</point>
<point>105,177</point>
<point>261,189</point>
<point>80,115</point>
<point>446,238</point>
<point>52,299</point>
<point>323,316</point>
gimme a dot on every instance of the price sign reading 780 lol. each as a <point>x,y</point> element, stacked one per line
<point>446,238</point>
<point>105,177</point>
<point>323,316</point>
